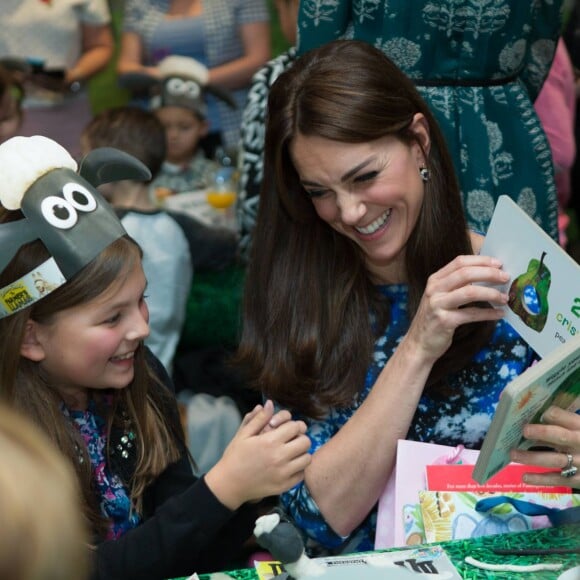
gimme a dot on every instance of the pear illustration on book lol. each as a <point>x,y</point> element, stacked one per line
<point>528,295</point>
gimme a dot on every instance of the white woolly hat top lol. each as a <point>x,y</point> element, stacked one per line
<point>184,66</point>
<point>23,160</point>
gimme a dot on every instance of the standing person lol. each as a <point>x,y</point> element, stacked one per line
<point>30,548</point>
<point>364,311</point>
<point>480,67</point>
<point>69,41</point>
<point>230,37</point>
<point>251,158</point>
<point>73,318</point>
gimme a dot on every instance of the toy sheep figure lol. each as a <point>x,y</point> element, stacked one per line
<point>277,535</point>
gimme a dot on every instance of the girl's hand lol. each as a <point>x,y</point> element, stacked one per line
<point>261,460</point>
<point>277,419</point>
<point>559,429</point>
<point>445,302</point>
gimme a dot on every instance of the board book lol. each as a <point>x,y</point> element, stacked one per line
<point>555,380</point>
<point>544,286</point>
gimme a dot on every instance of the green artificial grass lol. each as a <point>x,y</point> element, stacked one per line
<point>214,309</point>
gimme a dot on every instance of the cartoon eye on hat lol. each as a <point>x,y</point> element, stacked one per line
<point>184,83</point>
<point>61,207</point>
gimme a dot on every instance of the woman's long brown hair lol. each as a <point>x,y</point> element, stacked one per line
<point>307,336</point>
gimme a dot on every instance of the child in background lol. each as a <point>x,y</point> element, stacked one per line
<point>72,359</point>
<point>27,459</point>
<point>182,110</point>
<point>174,244</point>
<point>11,95</point>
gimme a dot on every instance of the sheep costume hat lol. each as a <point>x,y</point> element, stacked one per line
<point>61,207</point>
<point>183,82</point>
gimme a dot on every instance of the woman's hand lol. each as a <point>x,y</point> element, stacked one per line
<point>266,457</point>
<point>447,302</point>
<point>559,429</point>
<point>131,55</point>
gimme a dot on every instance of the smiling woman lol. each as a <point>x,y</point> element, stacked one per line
<point>362,297</point>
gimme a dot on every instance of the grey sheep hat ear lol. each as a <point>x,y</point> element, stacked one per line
<point>61,207</point>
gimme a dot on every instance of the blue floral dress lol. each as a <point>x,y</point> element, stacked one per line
<point>480,65</point>
<point>462,418</point>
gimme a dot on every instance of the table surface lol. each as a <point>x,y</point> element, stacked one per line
<point>482,549</point>
<point>194,203</point>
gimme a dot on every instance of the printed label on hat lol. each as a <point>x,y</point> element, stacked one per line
<point>30,288</point>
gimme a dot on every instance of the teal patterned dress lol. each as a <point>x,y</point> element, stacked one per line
<point>480,65</point>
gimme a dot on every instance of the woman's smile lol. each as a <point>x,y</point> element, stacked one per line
<point>378,225</point>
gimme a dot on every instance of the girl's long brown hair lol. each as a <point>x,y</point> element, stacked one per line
<point>307,335</point>
<point>24,385</point>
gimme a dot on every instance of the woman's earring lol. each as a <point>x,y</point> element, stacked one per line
<point>424,173</point>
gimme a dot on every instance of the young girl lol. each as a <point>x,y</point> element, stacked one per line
<point>72,359</point>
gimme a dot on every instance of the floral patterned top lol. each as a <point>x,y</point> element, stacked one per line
<point>480,65</point>
<point>462,418</point>
<point>112,493</point>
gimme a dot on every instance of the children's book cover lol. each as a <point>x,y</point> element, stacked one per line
<point>451,515</point>
<point>398,520</point>
<point>555,380</point>
<point>544,288</point>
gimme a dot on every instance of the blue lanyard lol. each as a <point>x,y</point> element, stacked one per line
<point>557,517</point>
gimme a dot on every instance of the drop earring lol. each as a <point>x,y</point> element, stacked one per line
<point>424,173</point>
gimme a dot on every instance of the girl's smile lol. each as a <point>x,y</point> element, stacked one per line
<point>92,346</point>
